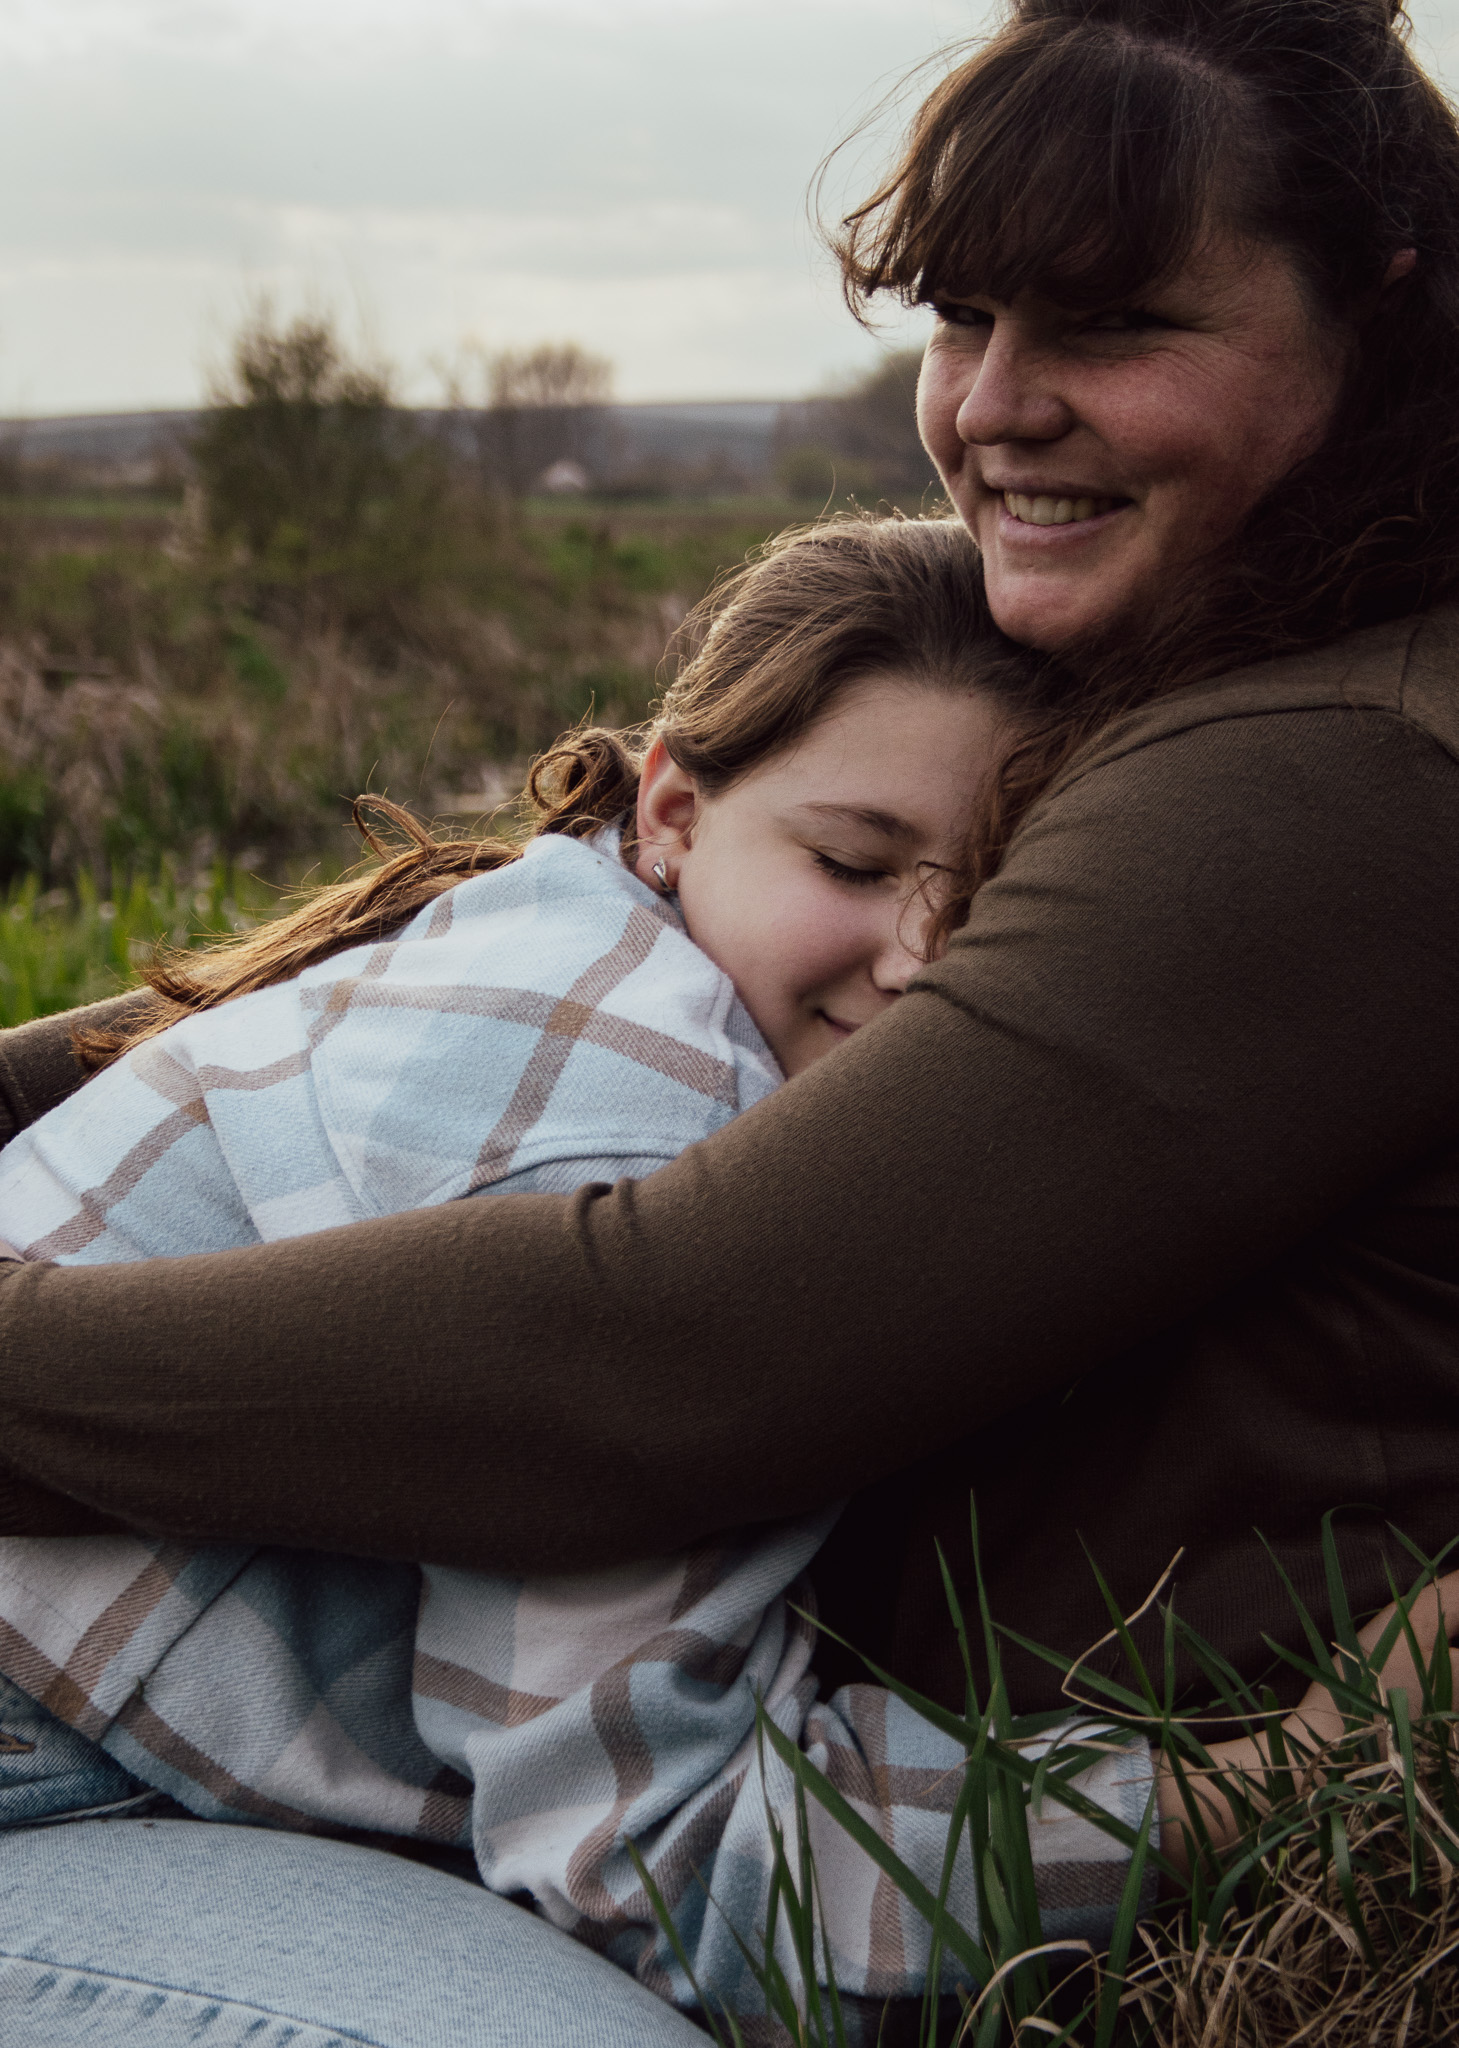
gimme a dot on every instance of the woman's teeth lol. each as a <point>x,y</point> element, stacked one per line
<point>1042,511</point>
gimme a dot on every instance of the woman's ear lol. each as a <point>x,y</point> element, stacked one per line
<point>667,802</point>
<point>1401,264</point>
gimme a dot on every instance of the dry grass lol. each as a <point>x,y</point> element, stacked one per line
<point>155,707</point>
<point>1354,1942</point>
<point>1326,1915</point>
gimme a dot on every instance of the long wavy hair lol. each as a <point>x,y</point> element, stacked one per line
<point>760,659</point>
<point>1084,150</point>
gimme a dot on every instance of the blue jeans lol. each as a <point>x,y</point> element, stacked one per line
<point>137,1933</point>
<point>158,1933</point>
<point>49,1772</point>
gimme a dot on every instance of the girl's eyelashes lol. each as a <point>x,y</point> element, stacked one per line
<point>842,871</point>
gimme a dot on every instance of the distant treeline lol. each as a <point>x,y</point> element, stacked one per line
<point>321,591</point>
<point>525,421</point>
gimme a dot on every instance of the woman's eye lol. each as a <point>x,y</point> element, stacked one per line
<point>953,315</point>
<point>1124,320</point>
<point>842,871</point>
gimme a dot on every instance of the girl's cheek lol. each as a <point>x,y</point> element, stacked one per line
<point>836,944</point>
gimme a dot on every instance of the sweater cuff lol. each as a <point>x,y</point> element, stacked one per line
<point>28,1509</point>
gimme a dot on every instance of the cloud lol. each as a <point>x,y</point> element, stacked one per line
<point>630,173</point>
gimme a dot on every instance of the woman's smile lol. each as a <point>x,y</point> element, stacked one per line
<point>1098,457</point>
<point>1044,508</point>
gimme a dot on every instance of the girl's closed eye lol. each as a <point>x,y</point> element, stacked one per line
<point>846,871</point>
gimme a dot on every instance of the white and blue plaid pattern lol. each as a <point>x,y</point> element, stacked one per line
<point>537,1027</point>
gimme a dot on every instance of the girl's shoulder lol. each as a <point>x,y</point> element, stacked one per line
<point>549,1017</point>
<point>567,924</point>
<point>554,875</point>
<point>542,922</point>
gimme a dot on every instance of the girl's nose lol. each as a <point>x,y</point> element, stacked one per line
<point>1012,396</point>
<point>900,955</point>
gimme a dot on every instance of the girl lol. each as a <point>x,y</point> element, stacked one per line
<point>690,922</point>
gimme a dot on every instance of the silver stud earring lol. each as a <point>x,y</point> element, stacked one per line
<point>660,873</point>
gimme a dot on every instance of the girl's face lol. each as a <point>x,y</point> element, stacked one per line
<point>1096,457</point>
<point>808,880</point>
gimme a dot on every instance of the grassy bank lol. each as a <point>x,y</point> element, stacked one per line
<point>189,731</point>
<point>60,947</point>
<point>1328,1918</point>
<point>159,704</point>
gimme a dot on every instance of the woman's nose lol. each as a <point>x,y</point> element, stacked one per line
<point>1012,396</point>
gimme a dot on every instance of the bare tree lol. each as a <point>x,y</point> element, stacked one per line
<point>554,374</point>
<point>862,439</point>
<point>543,406</point>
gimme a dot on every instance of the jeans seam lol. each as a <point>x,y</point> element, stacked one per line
<point>182,1991</point>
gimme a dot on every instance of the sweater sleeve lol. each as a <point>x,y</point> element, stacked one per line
<point>1211,998</point>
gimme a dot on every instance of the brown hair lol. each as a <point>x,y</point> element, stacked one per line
<point>763,657</point>
<point>1083,151</point>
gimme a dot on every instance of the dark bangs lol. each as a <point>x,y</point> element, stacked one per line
<point>1082,164</point>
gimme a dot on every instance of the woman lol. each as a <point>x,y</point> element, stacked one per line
<point>1138,1215</point>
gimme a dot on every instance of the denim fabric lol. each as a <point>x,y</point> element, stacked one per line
<point>49,1772</point>
<point>152,1934</point>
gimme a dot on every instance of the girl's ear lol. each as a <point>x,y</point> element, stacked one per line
<point>667,802</point>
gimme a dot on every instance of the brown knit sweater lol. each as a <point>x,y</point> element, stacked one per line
<point>1139,1216</point>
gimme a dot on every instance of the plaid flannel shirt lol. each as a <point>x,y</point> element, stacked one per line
<point>538,1027</point>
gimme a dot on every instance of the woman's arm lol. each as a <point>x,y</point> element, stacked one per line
<point>38,1069</point>
<point>1212,997</point>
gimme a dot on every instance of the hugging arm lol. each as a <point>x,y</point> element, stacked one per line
<point>1210,999</point>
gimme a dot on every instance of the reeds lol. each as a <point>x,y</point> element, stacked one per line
<point>61,947</point>
<point>1329,1917</point>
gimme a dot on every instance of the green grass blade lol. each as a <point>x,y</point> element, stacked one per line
<point>671,1934</point>
<point>1343,1867</point>
<point>1337,1593</point>
<point>1320,1652</point>
<point>1403,1739</point>
<point>963,1945</point>
<point>954,1608</point>
<point>1126,1641</point>
<point>1124,1928</point>
<point>1121,1699</point>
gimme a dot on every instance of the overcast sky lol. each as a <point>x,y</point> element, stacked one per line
<point>630,174</point>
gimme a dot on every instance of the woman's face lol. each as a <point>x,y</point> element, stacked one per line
<point>1096,456</point>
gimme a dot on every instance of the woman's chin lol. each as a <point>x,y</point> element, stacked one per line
<point>1045,612</point>
<point>1054,610</point>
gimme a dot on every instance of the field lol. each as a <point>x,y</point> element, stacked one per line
<point>323,594</point>
<point>181,736</point>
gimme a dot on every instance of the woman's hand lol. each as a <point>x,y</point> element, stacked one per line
<point>1317,1722</point>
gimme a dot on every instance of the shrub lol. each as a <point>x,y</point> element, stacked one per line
<point>333,496</point>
